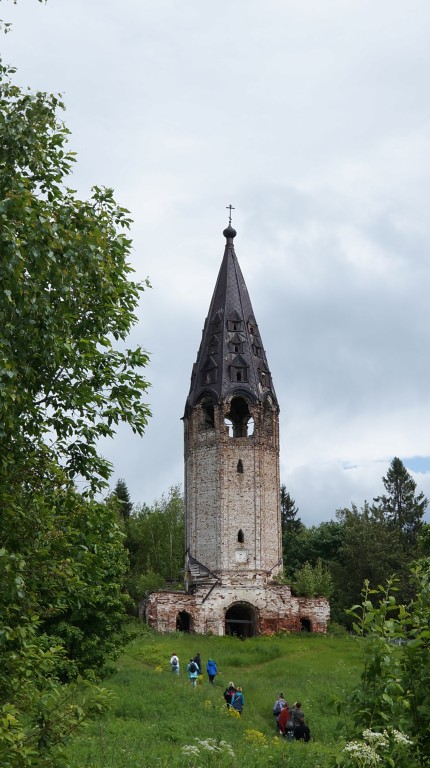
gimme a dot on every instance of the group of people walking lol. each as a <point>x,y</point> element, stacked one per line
<point>290,722</point>
<point>195,668</point>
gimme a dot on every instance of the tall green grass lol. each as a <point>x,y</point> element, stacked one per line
<point>155,713</point>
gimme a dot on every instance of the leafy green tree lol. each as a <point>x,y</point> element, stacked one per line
<point>370,550</point>
<point>400,505</point>
<point>61,608</point>
<point>292,528</point>
<point>313,581</point>
<point>122,497</point>
<point>155,541</point>
<point>67,304</point>
<point>88,621</point>
<point>325,541</point>
<point>66,297</point>
<point>424,540</point>
<point>321,542</point>
<point>393,697</point>
<point>416,654</point>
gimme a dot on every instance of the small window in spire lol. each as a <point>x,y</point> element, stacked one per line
<point>238,373</point>
<point>234,322</point>
<point>240,467</point>
<point>240,537</point>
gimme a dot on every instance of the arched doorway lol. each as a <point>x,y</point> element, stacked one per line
<point>240,620</point>
<point>183,622</point>
<point>305,625</point>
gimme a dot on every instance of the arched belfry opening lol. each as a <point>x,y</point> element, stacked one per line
<point>240,620</point>
<point>240,417</point>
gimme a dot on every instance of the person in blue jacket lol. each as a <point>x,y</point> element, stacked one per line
<point>193,672</point>
<point>237,700</point>
<point>211,669</point>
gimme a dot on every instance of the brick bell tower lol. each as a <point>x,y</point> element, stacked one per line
<point>231,435</point>
<point>232,486</point>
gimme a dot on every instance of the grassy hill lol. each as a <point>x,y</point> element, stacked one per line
<point>155,713</point>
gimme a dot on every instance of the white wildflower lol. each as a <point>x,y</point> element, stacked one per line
<point>209,745</point>
<point>227,748</point>
<point>352,746</point>
<point>363,752</point>
<point>189,750</point>
<point>401,738</point>
<point>376,738</point>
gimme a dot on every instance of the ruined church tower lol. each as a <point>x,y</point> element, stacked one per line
<point>233,544</point>
<point>231,432</point>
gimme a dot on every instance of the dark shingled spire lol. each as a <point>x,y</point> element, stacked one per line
<point>231,359</point>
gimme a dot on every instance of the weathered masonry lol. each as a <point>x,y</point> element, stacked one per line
<point>232,484</point>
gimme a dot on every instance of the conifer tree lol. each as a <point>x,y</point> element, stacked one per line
<point>401,507</point>
<point>289,510</point>
<point>122,496</point>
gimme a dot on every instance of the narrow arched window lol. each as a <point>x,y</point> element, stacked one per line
<point>240,537</point>
<point>240,467</point>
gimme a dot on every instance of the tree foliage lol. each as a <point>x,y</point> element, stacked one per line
<point>401,507</point>
<point>88,622</point>
<point>66,297</point>
<point>122,497</point>
<point>394,692</point>
<point>289,511</point>
<point>67,304</point>
<point>370,550</point>
<point>318,542</point>
<point>374,542</point>
<point>155,541</point>
<point>313,581</point>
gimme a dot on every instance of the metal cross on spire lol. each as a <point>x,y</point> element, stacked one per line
<point>232,208</point>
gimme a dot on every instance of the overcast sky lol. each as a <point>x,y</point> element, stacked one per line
<point>312,118</point>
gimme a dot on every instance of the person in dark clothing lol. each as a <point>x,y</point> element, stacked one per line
<point>198,661</point>
<point>302,731</point>
<point>228,693</point>
<point>297,713</point>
